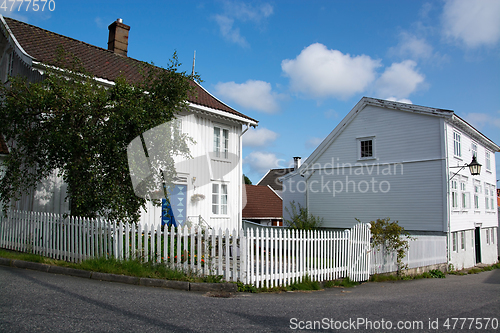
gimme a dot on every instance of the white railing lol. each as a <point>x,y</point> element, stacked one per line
<point>424,250</point>
<point>262,257</point>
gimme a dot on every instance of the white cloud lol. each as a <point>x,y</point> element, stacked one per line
<point>320,72</point>
<point>410,46</point>
<point>314,142</point>
<point>399,80</point>
<point>235,11</point>
<point>402,100</point>
<point>331,114</point>
<point>473,23</point>
<point>261,162</point>
<point>481,120</point>
<point>229,32</point>
<point>252,94</point>
<point>259,137</point>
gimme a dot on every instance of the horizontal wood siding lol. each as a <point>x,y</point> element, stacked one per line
<point>415,203</point>
<point>408,167</point>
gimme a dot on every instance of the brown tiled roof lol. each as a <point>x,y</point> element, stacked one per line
<point>42,45</point>
<point>271,178</point>
<point>3,146</point>
<point>262,202</point>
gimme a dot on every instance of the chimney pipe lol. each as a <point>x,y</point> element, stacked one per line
<point>118,37</point>
<point>296,162</point>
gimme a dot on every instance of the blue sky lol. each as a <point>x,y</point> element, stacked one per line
<point>300,66</point>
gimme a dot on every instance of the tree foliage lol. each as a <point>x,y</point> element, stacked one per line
<point>392,237</point>
<point>301,219</point>
<point>72,125</point>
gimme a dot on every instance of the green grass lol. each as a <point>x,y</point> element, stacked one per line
<point>122,267</point>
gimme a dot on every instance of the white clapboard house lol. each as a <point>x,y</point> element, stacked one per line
<point>404,162</point>
<point>209,189</point>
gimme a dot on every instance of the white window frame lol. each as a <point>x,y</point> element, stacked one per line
<point>454,240</point>
<point>220,199</point>
<point>474,149</point>
<point>373,143</point>
<point>454,194</point>
<point>457,144</point>
<point>221,142</point>
<point>477,191</point>
<point>462,240</point>
<point>488,160</point>
<point>465,195</point>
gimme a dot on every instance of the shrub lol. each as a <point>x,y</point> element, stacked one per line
<point>301,219</point>
<point>391,236</point>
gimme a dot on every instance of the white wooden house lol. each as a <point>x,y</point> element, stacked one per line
<point>209,189</point>
<point>395,160</point>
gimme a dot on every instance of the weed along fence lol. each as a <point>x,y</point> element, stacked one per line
<point>262,258</point>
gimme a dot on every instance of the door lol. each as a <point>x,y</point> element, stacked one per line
<point>477,244</point>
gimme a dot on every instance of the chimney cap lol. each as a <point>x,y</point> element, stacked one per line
<point>119,20</point>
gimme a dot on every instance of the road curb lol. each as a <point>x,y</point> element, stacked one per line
<point>146,282</point>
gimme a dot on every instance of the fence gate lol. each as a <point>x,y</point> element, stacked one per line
<point>358,266</point>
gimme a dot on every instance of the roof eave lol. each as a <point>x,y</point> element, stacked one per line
<point>25,57</point>
<point>222,114</point>
<point>464,125</point>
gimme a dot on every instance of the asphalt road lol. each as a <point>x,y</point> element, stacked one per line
<point>33,301</point>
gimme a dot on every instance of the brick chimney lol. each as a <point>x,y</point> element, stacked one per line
<point>118,37</point>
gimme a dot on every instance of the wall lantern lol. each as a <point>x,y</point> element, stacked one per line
<point>474,167</point>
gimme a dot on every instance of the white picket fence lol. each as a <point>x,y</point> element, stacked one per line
<point>279,257</point>
<point>261,258</point>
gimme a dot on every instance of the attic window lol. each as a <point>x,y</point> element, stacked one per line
<point>366,148</point>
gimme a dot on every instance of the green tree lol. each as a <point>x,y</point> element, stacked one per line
<point>71,125</point>
<point>247,180</point>
<point>301,219</point>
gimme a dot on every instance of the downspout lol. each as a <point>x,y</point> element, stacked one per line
<point>240,183</point>
<point>448,208</point>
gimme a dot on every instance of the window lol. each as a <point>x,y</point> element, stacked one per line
<point>474,149</point>
<point>366,148</point>
<point>219,199</point>
<point>454,242</point>
<point>465,194</point>
<point>462,240</point>
<point>488,161</point>
<point>454,194</point>
<point>492,236</point>
<point>477,190</point>
<point>221,142</point>
<point>487,236</point>
<point>457,148</point>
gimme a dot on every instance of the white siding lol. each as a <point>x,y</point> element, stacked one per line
<point>204,169</point>
<point>293,191</point>
<point>409,167</point>
<point>469,218</point>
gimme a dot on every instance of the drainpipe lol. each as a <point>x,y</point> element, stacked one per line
<point>240,184</point>
<point>448,208</point>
